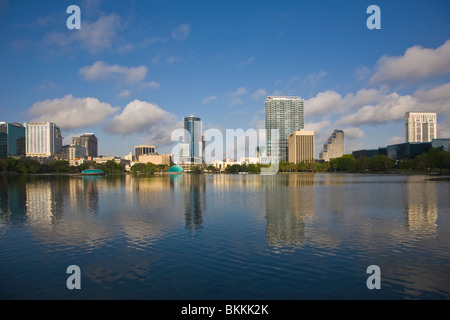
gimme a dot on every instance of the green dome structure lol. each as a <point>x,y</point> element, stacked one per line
<point>92,172</point>
<point>176,169</point>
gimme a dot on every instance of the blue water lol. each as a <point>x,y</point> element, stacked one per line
<point>287,236</point>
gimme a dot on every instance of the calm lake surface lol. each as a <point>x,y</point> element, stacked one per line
<point>287,236</point>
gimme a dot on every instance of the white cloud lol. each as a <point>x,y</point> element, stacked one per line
<point>101,70</point>
<point>145,118</point>
<point>181,32</point>
<point>417,63</point>
<point>361,73</point>
<point>391,108</point>
<point>260,93</point>
<point>441,93</point>
<point>247,62</point>
<point>150,85</point>
<point>209,99</point>
<point>70,112</point>
<point>324,102</point>
<point>236,96</point>
<point>314,78</point>
<point>93,36</point>
<point>395,140</point>
<point>124,93</point>
<point>353,133</point>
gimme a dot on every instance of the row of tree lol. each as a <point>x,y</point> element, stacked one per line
<point>31,166</point>
<point>432,160</point>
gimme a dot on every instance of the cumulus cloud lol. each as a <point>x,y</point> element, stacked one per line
<point>145,118</point>
<point>101,70</point>
<point>181,32</point>
<point>353,133</point>
<point>378,106</point>
<point>391,108</point>
<point>417,63</point>
<point>70,112</point>
<point>324,102</point>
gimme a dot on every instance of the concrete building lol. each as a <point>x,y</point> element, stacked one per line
<point>301,146</point>
<point>88,141</point>
<point>284,114</point>
<point>420,126</point>
<point>334,147</point>
<point>43,139</point>
<point>12,140</point>
<point>157,159</point>
<point>143,150</point>
<point>75,154</point>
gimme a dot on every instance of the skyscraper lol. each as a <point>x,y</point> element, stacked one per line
<point>420,126</point>
<point>285,114</point>
<point>89,141</point>
<point>43,139</point>
<point>334,148</point>
<point>12,139</point>
<point>193,137</point>
<point>301,146</point>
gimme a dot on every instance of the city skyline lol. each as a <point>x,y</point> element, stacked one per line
<point>131,73</point>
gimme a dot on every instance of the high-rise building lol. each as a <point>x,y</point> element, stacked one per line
<point>12,140</point>
<point>334,148</point>
<point>73,153</point>
<point>285,114</point>
<point>43,139</point>
<point>194,138</point>
<point>420,126</point>
<point>301,146</point>
<point>143,150</point>
<point>89,141</point>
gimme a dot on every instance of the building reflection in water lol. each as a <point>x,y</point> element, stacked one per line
<point>193,187</point>
<point>12,202</point>
<point>287,207</point>
<point>421,206</point>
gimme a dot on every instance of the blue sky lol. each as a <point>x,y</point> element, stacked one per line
<point>136,68</point>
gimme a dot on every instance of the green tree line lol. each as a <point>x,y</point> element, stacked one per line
<point>31,166</point>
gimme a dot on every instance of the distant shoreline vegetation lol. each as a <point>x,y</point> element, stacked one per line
<point>434,161</point>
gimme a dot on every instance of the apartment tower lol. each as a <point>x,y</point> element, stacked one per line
<point>284,114</point>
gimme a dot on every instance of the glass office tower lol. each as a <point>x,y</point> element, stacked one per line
<point>285,114</point>
<point>12,140</point>
<point>193,137</point>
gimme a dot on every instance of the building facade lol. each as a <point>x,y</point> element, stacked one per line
<point>88,141</point>
<point>12,140</point>
<point>165,159</point>
<point>420,126</point>
<point>43,139</point>
<point>407,150</point>
<point>284,115</point>
<point>143,150</point>
<point>194,139</point>
<point>301,146</point>
<point>335,146</point>
<point>75,154</point>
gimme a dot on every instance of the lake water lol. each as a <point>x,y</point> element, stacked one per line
<point>287,236</point>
